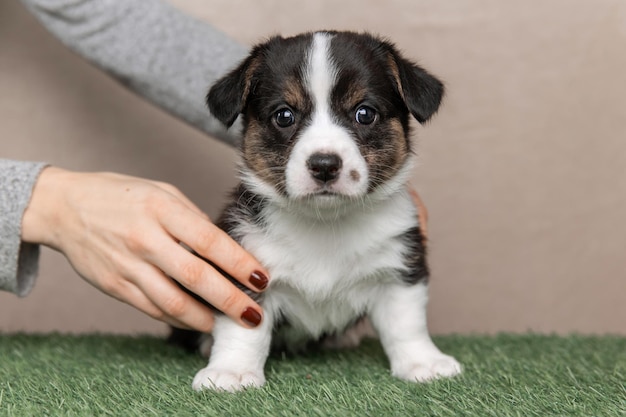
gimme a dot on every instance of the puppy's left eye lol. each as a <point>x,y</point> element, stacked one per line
<point>365,115</point>
<point>284,117</point>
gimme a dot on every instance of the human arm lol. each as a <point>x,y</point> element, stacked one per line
<point>157,51</point>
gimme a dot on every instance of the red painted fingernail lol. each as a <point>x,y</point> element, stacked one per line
<point>259,280</point>
<point>251,317</point>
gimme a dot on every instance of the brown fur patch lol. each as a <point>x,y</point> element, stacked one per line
<point>267,165</point>
<point>250,70</point>
<point>354,96</point>
<point>399,140</point>
<point>294,94</point>
<point>385,162</point>
<point>395,72</point>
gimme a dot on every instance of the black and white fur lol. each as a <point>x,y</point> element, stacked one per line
<point>323,202</point>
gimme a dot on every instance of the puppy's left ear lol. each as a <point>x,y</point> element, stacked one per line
<point>228,96</point>
<point>421,91</point>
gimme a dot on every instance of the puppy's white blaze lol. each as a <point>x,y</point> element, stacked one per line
<point>321,73</point>
<point>323,135</point>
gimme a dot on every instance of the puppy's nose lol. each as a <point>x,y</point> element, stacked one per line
<point>324,167</point>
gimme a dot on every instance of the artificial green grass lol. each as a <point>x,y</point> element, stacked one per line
<point>505,375</point>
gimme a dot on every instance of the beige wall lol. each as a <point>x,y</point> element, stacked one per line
<point>523,169</point>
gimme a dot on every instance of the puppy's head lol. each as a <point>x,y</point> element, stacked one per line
<point>325,114</point>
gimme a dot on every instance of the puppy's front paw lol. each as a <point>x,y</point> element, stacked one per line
<point>226,380</point>
<point>428,369</point>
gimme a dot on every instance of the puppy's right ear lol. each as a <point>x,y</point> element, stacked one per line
<point>229,95</point>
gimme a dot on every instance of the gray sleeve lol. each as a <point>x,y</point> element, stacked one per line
<point>157,51</point>
<point>18,260</point>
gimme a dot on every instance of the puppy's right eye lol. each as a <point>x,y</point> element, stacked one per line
<point>365,115</point>
<point>284,118</point>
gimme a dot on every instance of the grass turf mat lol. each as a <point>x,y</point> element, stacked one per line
<point>504,375</point>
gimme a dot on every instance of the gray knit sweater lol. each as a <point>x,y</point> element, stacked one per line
<point>153,49</point>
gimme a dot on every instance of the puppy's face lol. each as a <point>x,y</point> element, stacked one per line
<point>325,114</point>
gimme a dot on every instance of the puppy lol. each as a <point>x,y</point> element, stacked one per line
<point>323,201</point>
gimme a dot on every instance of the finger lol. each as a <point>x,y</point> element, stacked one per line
<point>174,305</point>
<point>214,244</point>
<point>130,294</point>
<point>205,281</point>
<point>422,212</point>
<point>421,208</point>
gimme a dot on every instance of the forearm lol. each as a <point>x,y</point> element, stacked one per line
<point>162,54</point>
<point>18,260</point>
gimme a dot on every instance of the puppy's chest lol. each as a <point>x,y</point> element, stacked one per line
<point>324,274</point>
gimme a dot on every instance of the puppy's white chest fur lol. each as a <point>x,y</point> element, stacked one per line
<point>326,272</point>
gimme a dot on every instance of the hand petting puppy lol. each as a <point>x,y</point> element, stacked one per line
<point>122,234</point>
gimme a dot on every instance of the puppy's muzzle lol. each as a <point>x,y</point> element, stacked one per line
<point>324,168</point>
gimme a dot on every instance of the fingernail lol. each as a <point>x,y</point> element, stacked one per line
<point>259,280</point>
<point>251,317</point>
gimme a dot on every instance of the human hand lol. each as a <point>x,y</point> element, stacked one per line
<point>422,213</point>
<point>122,235</point>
